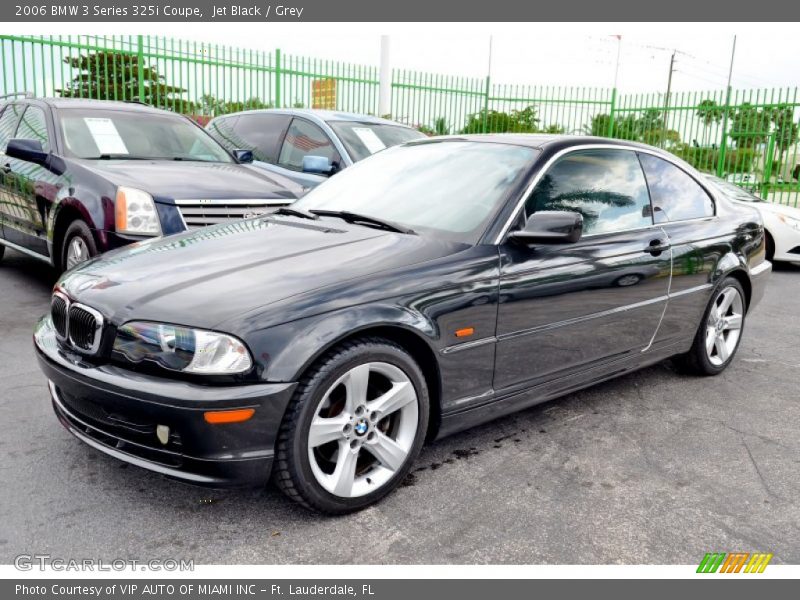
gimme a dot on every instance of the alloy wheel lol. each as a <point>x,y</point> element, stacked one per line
<point>77,252</point>
<point>724,326</point>
<point>363,429</point>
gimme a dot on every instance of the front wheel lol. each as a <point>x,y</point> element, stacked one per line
<point>78,245</point>
<point>720,332</point>
<point>354,427</point>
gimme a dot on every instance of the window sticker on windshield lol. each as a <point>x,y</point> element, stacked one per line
<point>369,139</point>
<point>106,136</point>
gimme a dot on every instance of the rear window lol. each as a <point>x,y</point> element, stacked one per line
<point>676,195</point>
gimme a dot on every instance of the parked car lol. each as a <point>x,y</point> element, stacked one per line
<point>308,145</point>
<point>430,288</point>
<point>79,177</point>
<point>781,222</point>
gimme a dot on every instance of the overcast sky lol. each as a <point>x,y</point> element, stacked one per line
<point>556,54</point>
<point>549,54</point>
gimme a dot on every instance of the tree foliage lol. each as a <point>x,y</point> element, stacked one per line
<point>111,75</point>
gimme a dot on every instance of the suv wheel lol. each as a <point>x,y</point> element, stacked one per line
<point>78,245</point>
<point>354,427</point>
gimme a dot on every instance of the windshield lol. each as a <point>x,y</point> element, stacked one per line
<point>449,189</point>
<point>365,139</point>
<point>137,135</point>
<point>733,191</point>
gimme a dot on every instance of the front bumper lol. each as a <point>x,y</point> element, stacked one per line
<point>117,412</point>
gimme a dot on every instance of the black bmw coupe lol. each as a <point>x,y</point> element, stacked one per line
<point>432,287</point>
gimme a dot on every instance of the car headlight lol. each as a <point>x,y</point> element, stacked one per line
<point>135,212</point>
<point>182,349</point>
<point>790,221</point>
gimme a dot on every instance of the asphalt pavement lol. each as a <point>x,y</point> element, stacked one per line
<point>652,468</point>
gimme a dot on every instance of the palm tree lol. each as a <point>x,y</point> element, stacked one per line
<point>709,112</point>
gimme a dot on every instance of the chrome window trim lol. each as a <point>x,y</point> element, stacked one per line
<point>98,329</point>
<point>600,146</point>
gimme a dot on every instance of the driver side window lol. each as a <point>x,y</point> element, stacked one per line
<point>606,186</point>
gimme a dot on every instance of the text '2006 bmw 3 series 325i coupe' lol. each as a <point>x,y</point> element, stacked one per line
<point>432,287</point>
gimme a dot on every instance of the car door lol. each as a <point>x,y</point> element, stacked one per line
<point>9,193</point>
<point>34,184</point>
<point>686,211</point>
<point>566,308</point>
<point>304,138</point>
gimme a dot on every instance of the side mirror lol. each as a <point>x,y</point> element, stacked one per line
<point>27,150</point>
<point>550,227</point>
<point>243,156</point>
<point>317,164</point>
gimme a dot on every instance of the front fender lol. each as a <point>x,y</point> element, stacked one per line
<point>285,351</point>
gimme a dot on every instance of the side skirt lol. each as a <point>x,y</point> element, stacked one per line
<point>500,404</point>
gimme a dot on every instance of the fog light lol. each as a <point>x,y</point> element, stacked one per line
<point>162,433</point>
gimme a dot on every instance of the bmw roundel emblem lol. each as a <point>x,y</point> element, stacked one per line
<point>361,427</point>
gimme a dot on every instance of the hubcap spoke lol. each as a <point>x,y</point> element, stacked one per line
<point>387,451</point>
<point>722,348</point>
<point>734,321</point>
<point>727,299</point>
<point>356,386</point>
<point>396,398</point>
<point>344,474</point>
<point>324,430</point>
<point>711,339</point>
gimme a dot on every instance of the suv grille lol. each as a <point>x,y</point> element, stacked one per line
<point>58,310</point>
<point>83,328</point>
<point>201,213</point>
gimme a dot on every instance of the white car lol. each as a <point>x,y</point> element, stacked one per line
<point>781,222</point>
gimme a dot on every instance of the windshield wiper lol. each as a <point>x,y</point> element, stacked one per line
<point>295,212</point>
<point>352,217</point>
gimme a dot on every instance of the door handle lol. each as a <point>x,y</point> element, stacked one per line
<point>657,246</point>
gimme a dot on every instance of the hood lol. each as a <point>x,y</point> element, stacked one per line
<point>776,209</point>
<point>166,180</point>
<point>208,276</point>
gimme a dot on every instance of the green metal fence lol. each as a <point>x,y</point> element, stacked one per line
<point>748,137</point>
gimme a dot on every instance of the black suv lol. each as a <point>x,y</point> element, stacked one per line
<point>80,177</point>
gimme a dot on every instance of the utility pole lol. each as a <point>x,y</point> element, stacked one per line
<point>724,140</point>
<point>616,69</point>
<point>385,80</point>
<point>666,98</point>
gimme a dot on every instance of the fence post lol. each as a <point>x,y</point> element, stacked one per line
<point>724,141</point>
<point>140,65</point>
<point>486,103</point>
<point>277,78</point>
<point>611,113</point>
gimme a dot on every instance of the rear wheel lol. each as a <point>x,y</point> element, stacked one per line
<point>2,251</point>
<point>78,245</point>
<point>354,427</point>
<point>720,331</point>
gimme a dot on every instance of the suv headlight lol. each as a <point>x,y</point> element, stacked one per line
<point>182,349</point>
<point>135,212</point>
<point>790,221</point>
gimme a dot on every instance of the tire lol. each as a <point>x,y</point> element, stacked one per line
<point>314,470</point>
<point>77,234</point>
<point>702,360</point>
<point>2,251</point>
<point>770,246</point>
